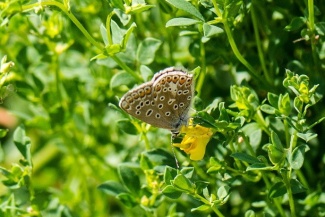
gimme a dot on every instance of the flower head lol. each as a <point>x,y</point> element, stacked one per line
<point>195,140</point>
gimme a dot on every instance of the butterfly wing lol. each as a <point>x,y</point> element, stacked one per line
<point>140,103</point>
<point>175,89</point>
<point>164,101</point>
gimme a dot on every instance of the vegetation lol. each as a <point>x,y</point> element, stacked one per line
<point>67,149</point>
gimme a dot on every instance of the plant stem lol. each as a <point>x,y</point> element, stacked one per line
<point>234,48</point>
<point>259,44</point>
<point>286,180</point>
<point>258,117</point>
<point>127,69</point>
<point>311,26</point>
<point>287,132</point>
<point>200,81</point>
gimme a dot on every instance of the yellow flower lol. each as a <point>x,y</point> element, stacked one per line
<point>195,140</point>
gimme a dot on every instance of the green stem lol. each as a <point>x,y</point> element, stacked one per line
<point>260,120</point>
<point>293,143</point>
<point>200,81</point>
<point>234,48</point>
<point>249,146</point>
<point>287,132</point>
<point>311,26</point>
<point>108,27</point>
<point>259,44</point>
<point>311,15</point>
<point>127,69</point>
<point>146,141</point>
<point>286,180</point>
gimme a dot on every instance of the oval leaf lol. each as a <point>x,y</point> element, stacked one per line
<point>186,6</point>
<point>122,78</point>
<point>171,192</point>
<point>297,157</point>
<point>277,190</point>
<point>129,178</point>
<point>127,127</point>
<point>147,49</point>
<point>181,22</point>
<point>112,188</point>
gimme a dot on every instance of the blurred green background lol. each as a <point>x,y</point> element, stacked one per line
<point>73,60</point>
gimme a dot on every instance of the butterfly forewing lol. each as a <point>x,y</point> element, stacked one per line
<point>162,102</point>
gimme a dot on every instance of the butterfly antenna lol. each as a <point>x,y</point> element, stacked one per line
<point>171,143</point>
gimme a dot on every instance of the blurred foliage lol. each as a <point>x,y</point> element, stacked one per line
<point>259,69</point>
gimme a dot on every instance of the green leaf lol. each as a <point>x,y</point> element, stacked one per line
<point>223,192</point>
<point>145,72</point>
<point>122,78</point>
<point>172,211</point>
<point>206,193</point>
<point>276,155</point>
<point>273,99</point>
<point>268,109</point>
<point>284,104</point>
<point>250,213</point>
<point>202,208</point>
<point>296,186</point>
<point>298,104</point>
<point>259,166</point>
<point>117,32</point>
<point>160,157</point>
<point>147,49</point>
<point>276,141</point>
<point>7,174</point>
<point>3,132</point>
<point>223,113</point>
<point>186,6</point>
<point>254,133</point>
<point>296,23</point>
<point>127,35</point>
<point>129,177</point>
<point>127,127</point>
<point>118,4</point>
<point>307,136</point>
<point>296,159</point>
<point>187,172</point>
<point>211,30</point>
<point>214,165</point>
<point>103,33</point>
<point>23,143</point>
<point>277,190</point>
<point>320,28</point>
<point>169,175</point>
<point>204,119</point>
<point>201,186</point>
<point>181,22</point>
<point>112,188</point>
<point>171,192</point>
<point>245,157</point>
<point>138,8</point>
<point>127,199</point>
<point>183,183</point>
